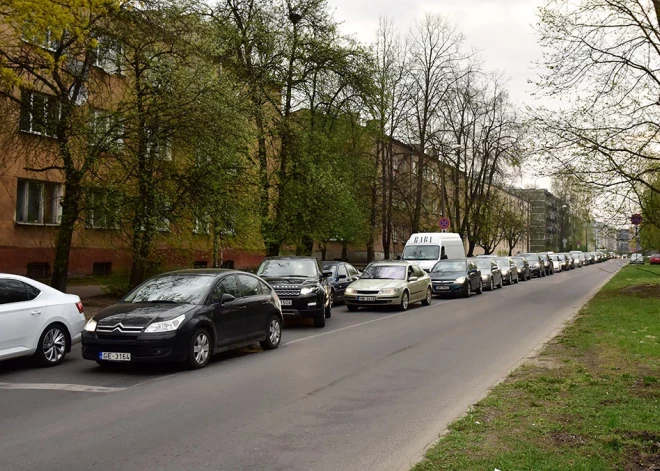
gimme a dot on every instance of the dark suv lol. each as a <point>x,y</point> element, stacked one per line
<point>302,286</point>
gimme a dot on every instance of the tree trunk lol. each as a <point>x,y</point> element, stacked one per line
<point>70,212</point>
<point>370,252</point>
<point>471,246</point>
<point>324,250</point>
<point>344,251</point>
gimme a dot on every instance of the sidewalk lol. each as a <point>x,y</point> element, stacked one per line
<point>85,291</point>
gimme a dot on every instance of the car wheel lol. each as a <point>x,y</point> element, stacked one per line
<point>468,291</point>
<point>352,307</point>
<point>328,308</point>
<point>319,321</point>
<point>429,297</point>
<point>501,285</point>
<point>52,346</point>
<point>492,284</point>
<point>517,279</point>
<point>480,289</point>
<point>405,301</point>
<point>199,352</point>
<point>273,334</point>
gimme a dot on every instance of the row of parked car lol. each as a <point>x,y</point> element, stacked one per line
<point>190,315</point>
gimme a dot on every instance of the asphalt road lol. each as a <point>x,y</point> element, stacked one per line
<point>368,392</point>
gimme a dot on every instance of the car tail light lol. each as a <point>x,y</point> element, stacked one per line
<point>79,305</point>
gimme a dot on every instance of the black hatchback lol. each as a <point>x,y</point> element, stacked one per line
<point>185,316</point>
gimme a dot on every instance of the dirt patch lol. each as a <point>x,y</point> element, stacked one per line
<point>547,363</point>
<point>642,461</point>
<point>642,291</point>
<point>571,439</point>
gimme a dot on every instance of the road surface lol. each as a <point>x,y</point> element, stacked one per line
<point>368,392</point>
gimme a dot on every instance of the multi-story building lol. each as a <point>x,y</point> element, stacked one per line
<point>545,229</point>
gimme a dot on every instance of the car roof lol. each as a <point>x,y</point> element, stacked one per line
<point>331,262</point>
<point>291,257</point>
<point>30,281</point>
<point>203,271</point>
<point>402,263</point>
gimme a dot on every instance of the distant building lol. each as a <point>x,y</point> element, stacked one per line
<point>623,240</point>
<point>544,227</point>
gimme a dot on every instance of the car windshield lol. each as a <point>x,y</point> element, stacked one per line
<point>555,258</point>
<point>482,264</point>
<point>532,257</point>
<point>421,252</point>
<point>519,262</point>
<point>384,272</point>
<point>285,268</point>
<point>181,289</point>
<point>332,268</point>
<point>449,266</point>
<point>502,262</point>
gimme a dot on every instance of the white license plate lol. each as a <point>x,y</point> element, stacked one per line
<point>442,288</point>
<point>366,298</point>
<point>111,356</point>
<point>287,302</point>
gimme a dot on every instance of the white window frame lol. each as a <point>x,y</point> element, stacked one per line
<point>202,225</point>
<point>55,200</point>
<point>107,55</point>
<point>30,112</point>
<point>48,43</point>
<point>91,223</point>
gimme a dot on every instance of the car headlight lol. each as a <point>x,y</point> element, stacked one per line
<point>460,279</point>
<point>505,272</point>
<point>308,290</point>
<point>350,291</point>
<point>90,326</point>
<point>536,265</point>
<point>166,326</point>
<point>388,291</point>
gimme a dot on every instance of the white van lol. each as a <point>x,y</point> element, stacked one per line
<point>427,248</point>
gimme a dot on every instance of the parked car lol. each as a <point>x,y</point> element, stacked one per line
<point>557,263</point>
<point>389,283</point>
<point>578,256</point>
<point>565,262</point>
<point>535,264</point>
<point>343,274</point>
<point>185,316</point>
<point>456,277</point>
<point>524,270</point>
<point>546,263</point>
<point>37,320</point>
<point>655,259</point>
<point>508,268</point>
<point>637,259</point>
<point>427,248</point>
<point>570,260</point>
<point>302,285</point>
<point>491,276</point>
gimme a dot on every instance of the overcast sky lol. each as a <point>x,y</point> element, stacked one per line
<point>503,30</point>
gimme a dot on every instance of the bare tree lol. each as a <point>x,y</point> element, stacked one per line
<point>603,58</point>
<point>434,52</point>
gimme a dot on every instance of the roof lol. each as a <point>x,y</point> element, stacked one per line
<point>403,263</point>
<point>291,257</point>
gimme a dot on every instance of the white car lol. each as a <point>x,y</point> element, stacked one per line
<point>38,320</point>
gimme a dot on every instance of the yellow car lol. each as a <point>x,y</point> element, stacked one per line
<point>389,284</point>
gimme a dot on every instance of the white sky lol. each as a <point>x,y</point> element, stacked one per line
<point>503,30</point>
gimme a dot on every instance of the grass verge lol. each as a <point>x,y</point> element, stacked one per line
<point>589,401</point>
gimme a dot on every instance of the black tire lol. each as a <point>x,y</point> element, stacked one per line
<point>491,285</point>
<point>501,285</point>
<point>273,333</point>
<point>517,279</point>
<point>352,307</point>
<point>53,345</point>
<point>480,289</point>
<point>468,291</point>
<point>509,280</point>
<point>200,340</point>
<point>319,320</point>
<point>405,301</point>
<point>428,298</point>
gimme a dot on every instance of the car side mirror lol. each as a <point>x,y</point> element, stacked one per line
<point>398,257</point>
<point>341,277</point>
<point>412,278</point>
<point>443,257</point>
<point>226,298</point>
<point>327,273</point>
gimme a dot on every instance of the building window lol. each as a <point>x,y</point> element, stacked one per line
<point>107,55</point>
<point>201,264</point>
<point>38,202</point>
<point>103,209</point>
<point>106,131</point>
<point>101,268</point>
<point>202,224</point>
<point>48,41</point>
<point>40,113</point>
<point>38,271</point>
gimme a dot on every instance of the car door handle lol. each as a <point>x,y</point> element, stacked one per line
<point>35,313</point>
<point>242,308</point>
